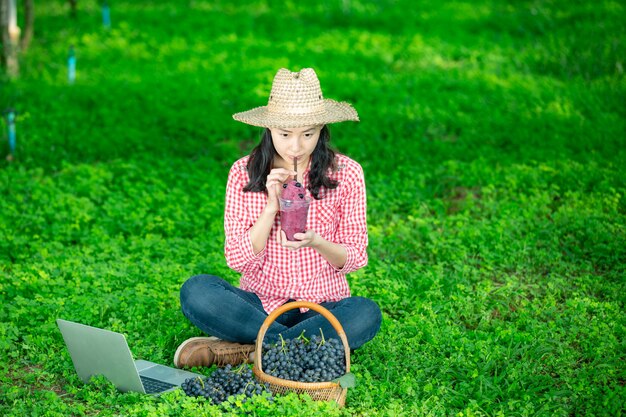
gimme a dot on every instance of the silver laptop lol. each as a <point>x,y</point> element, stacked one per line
<point>102,352</point>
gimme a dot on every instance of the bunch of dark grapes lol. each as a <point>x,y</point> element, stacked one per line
<point>223,383</point>
<point>305,360</point>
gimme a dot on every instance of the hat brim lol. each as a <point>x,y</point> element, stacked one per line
<point>333,112</point>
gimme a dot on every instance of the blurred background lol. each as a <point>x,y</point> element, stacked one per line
<point>452,79</point>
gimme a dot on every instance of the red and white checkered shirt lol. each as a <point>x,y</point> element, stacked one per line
<point>277,274</point>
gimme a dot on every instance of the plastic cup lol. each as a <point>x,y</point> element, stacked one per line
<point>293,214</point>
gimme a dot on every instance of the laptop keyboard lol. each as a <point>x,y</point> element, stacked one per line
<point>152,386</point>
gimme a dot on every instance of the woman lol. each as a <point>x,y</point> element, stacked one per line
<point>294,146</point>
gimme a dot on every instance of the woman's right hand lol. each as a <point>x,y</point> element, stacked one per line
<point>274,184</point>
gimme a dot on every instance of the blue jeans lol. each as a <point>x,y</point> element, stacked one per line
<point>230,313</point>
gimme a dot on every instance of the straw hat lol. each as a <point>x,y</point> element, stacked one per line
<point>296,100</point>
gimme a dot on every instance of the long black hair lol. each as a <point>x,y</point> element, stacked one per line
<point>322,158</point>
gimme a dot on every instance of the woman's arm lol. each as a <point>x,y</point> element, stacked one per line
<point>261,229</point>
<point>263,226</point>
<point>352,229</point>
<point>335,254</point>
<point>245,244</point>
<point>238,248</point>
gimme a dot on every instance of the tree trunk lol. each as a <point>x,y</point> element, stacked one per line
<point>4,33</point>
<point>73,8</point>
<point>10,37</point>
<point>29,24</point>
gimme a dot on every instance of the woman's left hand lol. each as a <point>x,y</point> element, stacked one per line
<point>306,239</point>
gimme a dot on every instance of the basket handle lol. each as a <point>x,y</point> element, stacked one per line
<point>291,306</point>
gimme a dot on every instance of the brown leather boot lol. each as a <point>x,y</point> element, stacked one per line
<point>206,351</point>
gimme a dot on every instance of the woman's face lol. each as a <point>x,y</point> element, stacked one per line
<point>295,143</point>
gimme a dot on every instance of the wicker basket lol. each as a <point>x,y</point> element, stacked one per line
<point>319,391</point>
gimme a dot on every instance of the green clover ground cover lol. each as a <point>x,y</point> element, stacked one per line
<point>492,139</point>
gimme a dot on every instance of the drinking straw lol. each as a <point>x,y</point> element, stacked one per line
<point>295,167</point>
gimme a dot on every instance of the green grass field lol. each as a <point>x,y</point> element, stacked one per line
<point>493,138</point>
